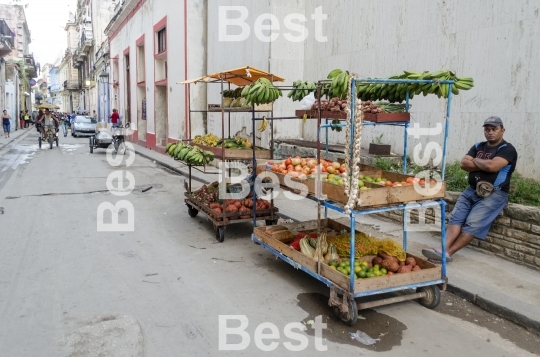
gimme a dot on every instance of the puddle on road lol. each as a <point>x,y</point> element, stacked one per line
<point>376,325</point>
<point>70,147</point>
<point>19,155</point>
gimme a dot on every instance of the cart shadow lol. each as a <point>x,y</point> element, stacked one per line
<point>373,323</point>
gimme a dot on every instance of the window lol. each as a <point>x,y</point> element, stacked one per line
<point>85,120</point>
<point>162,40</point>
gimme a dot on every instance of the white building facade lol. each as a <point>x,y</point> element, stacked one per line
<point>493,42</point>
<point>149,46</point>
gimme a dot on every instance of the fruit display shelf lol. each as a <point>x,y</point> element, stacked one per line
<point>373,195</point>
<point>235,153</point>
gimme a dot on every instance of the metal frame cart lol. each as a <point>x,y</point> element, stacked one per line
<point>343,289</point>
<point>239,77</point>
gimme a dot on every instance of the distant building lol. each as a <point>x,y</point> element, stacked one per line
<point>19,62</point>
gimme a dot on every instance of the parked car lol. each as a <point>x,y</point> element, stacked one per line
<point>83,125</point>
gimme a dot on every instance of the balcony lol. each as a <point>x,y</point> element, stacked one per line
<point>72,85</point>
<point>6,39</point>
<point>30,66</point>
<point>87,40</point>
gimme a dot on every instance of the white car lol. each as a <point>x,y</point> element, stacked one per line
<point>83,125</point>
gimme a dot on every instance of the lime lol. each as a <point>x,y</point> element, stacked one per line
<point>332,267</point>
<point>376,267</point>
<point>370,275</point>
<point>357,269</point>
<point>364,267</point>
<point>377,273</point>
<point>364,264</point>
<point>362,274</point>
<point>343,264</point>
<point>383,271</point>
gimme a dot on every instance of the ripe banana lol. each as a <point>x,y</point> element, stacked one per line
<point>263,125</point>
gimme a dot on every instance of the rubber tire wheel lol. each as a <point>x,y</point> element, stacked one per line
<point>193,212</point>
<point>269,222</point>
<point>39,142</point>
<point>91,145</point>
<point>433,297</point>
<point>220,234</point>
<point>352,318</point>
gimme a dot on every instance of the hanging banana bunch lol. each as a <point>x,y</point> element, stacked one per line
<point>396,92</point>
<point>301,90</point>
<point>262,91</point>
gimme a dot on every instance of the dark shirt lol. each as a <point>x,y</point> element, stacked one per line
<point>5,120</point>
<point>500,179</point>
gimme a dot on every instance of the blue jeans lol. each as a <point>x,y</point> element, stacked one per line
<point>475,214</point>
<point>6,127</point>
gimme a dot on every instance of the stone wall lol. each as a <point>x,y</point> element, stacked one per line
<point>514,236</point>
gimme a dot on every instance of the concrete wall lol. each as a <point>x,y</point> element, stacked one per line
<point>491,41</point>
<point>280,57</point>
<point>514,235</point>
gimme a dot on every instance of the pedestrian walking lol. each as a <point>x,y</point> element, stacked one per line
<point>114,117</point>
<point>26,119</point>
<point>21,119</point>
<point>6,123</point>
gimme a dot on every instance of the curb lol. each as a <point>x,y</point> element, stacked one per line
<point>483,303</point>
<point>496,309</point>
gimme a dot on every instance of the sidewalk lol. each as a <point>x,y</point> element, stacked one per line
<point>13,135</point>
<point>501,287</point>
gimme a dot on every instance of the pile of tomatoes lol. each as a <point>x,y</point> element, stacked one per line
<point>302,168</point>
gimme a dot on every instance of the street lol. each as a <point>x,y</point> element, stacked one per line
<point>67,289</point>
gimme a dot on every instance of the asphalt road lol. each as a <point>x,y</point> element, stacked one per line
<point>67,289</point>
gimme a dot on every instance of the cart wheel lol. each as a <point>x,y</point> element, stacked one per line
<point>433,297</point>
<point>269,222</point>
<point>39,142</point>
<point>192,211</point>
<point>353,313</point>
<point>220,234</point>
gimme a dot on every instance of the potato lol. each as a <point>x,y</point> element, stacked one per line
<point>410,261</point>
<point>387,256</point>
<point>377,260</point>
<point>390,265</point>
<point>416,268</point>
<point>405,269</point>
<point>401,264</point>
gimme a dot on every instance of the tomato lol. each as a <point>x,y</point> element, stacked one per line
<point>342,169</point>
<point>388,183</point>
<point>323,169</point>
<point>410,179</point>
<point>288,162</point>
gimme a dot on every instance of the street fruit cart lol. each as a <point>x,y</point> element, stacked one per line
<point>346,278</point>
<point>197,152</point>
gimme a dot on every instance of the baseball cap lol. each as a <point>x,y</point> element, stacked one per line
<point>495,121</point>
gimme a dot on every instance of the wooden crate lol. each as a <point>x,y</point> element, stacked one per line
<point>429,271</point>
<point>377,196</point>
<point>236,154</point>
<point>387,117</point>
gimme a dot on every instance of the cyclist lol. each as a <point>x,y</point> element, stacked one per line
<point>49,122</point>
